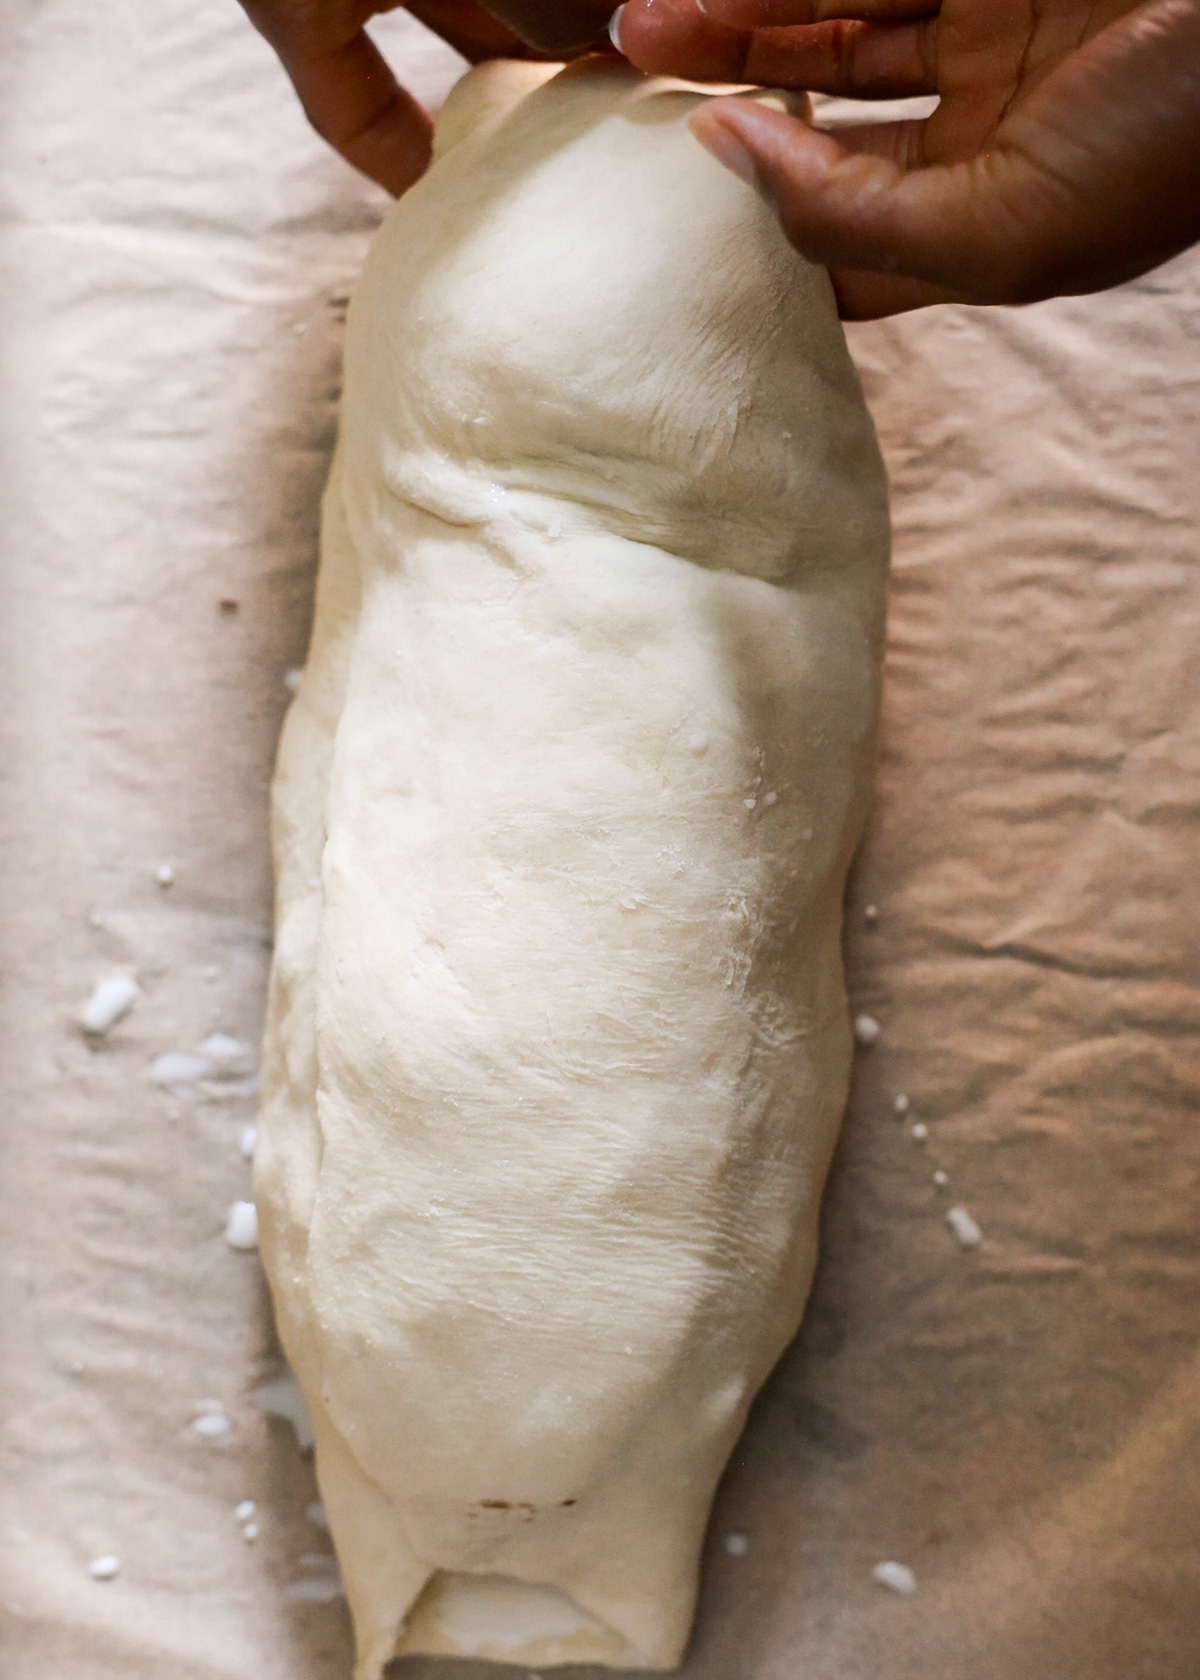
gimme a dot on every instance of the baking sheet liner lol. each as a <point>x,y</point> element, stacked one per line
<point>1017,1423</point>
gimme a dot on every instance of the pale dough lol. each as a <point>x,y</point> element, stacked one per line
<point>558,1041</point>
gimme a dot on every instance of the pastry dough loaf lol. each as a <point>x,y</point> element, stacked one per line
<point>558,1041</point>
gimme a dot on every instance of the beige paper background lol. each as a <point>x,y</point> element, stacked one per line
<point>1020,1424</point>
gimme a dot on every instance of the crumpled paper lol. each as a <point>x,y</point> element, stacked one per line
<point>1016,1423</point>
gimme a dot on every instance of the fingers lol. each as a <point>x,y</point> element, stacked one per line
<point>353,101</point>
<point>1091,179</point>
<point>469,29</point>
<point>555,26</point>
<point>674,38</point>
<point>853,59</point>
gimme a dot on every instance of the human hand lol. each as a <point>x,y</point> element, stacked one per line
<point>1064,155</point>
<point>352,98</point>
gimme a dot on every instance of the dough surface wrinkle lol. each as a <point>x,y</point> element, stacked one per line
<point>558,1041</point>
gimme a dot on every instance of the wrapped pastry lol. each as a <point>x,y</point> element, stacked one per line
<point>558,1042</point>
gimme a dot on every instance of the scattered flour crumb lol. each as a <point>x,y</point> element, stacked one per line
<point>246,1511</point>
<point>104,1568</point>
<point>177,1067</point>
<point>247,1139</point>
<point>250,1532</point>
<point>165,875</point>
<point>110,1000</point>
<point>871,914</point>
<point>900,1104</point>
<point>866,1030</point>
<point>212,1425</point>
<point>319,1589</point>
<point>229,1056</point>
<point>898,1576</point>
<point>966,1232</point>
<point>293,678</point>
<point>920,1131</point>
<point>241,1227</point>
<point>282,1398</point>
<point>736,1545</point>
<point>941,1179</point>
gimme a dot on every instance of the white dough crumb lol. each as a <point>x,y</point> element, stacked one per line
<point>104,1568</point>
<point>871,914</point>
<point>966,1232</point>
<point>749,803</point>
<point>898,1576</point>
<point>282,1398</point>
<point>246,1511</point>
<point>316,1515</point>
<point>920,1131</point>
<point>247,1140</point>
<point>771,798</point>
<point>110,999</point>
<point>866,1030</point>
<point>293,678</point>
<point>698,743</point>
<point>736,1545</point>
<point>900,1105</point>
<point>177,1067</point>
<point>164,875</point>
<point>241,1227</point>
<point>941,1179</point>
<point>212,1425</point>
<point>250,1532</point>
<point>321,1589</point>
<point>229,1056</point>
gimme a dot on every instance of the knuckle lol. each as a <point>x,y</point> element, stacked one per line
<point>844,39</point>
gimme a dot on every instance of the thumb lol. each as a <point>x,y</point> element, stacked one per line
<point>851,203</point>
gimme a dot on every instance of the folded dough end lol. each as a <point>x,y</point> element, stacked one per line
<point>503,1620</point>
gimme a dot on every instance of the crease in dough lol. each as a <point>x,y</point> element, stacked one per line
<point>557,1044</point>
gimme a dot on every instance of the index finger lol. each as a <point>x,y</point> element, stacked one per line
<point>776,14</point>
<point>352,99</point>
<point>846,57</point>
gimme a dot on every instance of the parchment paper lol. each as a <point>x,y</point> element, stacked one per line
<point>1019,1423</point>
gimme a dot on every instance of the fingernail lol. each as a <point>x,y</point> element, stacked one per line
<point>717,139</point>
<point>614,29</point>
